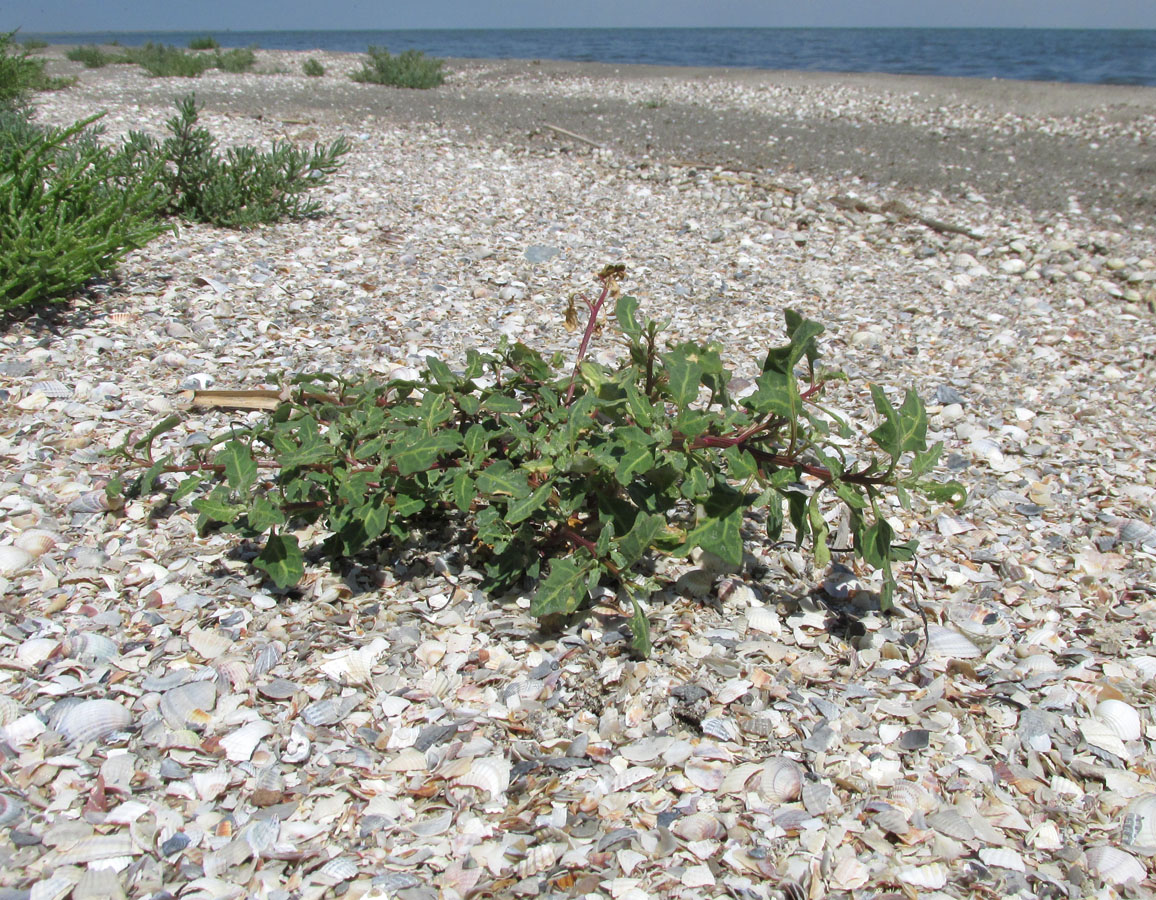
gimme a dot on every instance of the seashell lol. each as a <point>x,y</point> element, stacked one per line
<point>89,647</point>
<point>209,643</point>
<point>240,744</point>
<point>932,876</point>
<point>912,797</point>
<point>217,862</point>
<point>23,730</point>
<point>297,746</point>
<point>705,773</point>
<point>1138,829</point>
<point>1002,858</point>
<point>232,672</point>
<point>781,781</point>
<point>278,689</point>
<point>849,875</point>
<point>53,390</point>
<point>328,712</point>
<point>95,848</point>
<point>92,720</point>
<point>1114,866</point>
<point>948,821</point>
<point>211,784</point>
<point>979,621</point>
<point>9,709</point>
<point>1121,718</point>
<point>337,870</point>
<point>55,887</point>
<point>98,883</point>
<point>720,728</point>
<point>699,826</point>
<point>94,502</point>
<point>408,760</point>
<point>949,643</point>
<point>13,559</point>
<point>490,774</point>
<point>890,819</point>
<point>36,541</point>
<point>268,657</point>
<point>817,797</point>
<point>354,666</point>
<point>538,858</point>
<point>261,834</point>
<point>11,809</point>
<point>34,651</point>
<point>765,620</point>
<point>737,778</point>
<point>189,705</point>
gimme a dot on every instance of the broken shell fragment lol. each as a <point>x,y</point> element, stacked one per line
<point>92,720</point>
<point>1138,829</point>
<point>781,781</point>
<point>1114,866</point>
<point>1122,718</point>
<point>950,644</point>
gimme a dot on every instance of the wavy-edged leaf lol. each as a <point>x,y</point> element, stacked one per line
<point>740,464</point>
<point>502,403</point>
<point>412,456</point>
<point>635,459</point>
<point>640,629</point>
<point>464,490</point>
<point>302,445</point>
<point>240,467</point>
<point>263,515</point>
<point>777,392</point>
<point>819,532</point>
<point>521,509</point>
<point>942,491</point>
<point>633,545</point>
<point>849,494</point>
<point>685,366</point>
<point>281,559</point>
<point>720,529</point>
<point>218,506</point>
<point>501,478</point>
<point>166,424</point>
<point>626,312</point>
<point>802,333</point>
<point>187,486</point>
<point>563,590</point>
<point>903,429</point>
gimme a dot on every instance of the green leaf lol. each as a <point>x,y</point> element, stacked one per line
<point>407,505</point>
<point>187,486</point>
<point>308,448</point>
<point>469,404</point>
<point>166,424</point>
<point>240,467</point>
<point>685,366</point>
<point>902,430</point>
<point>626,312</point>
<point>778,393</point>
<point>740,464</point>
<point>634,544</point>
<point>523,508</point>
<point>924,462</point>
<point>218,506</point>
<point>263,515</point>
<point>944,492</point>
<point>440,372</point>
<point>819,532</point>
<point>412,456</point>
<point>635,459</point>
<point>502,403</point>
<point>464,490</point>
<point>434,410</point>
<point>563,590</point>
<point>640,408</point>
<point>501,478</point>
<point>802,333</point>
<point>849,494</point>
<point>640,628</point>
<point>148,479</point>
<point>281,559</point>
<point>720,530</point>
<point>874,543</point>
<point>475,440</point>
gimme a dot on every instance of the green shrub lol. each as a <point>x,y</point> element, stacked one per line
<point>31,44</point>
<point>573,477</point>
<point>92,56</point>
<point>411,69</point>
<point>21,75</point>
<point>208,42</point>
<point>166,61</point>
<point>70,209</point>
<point>240,188</point>
<point>313,68</point>
<point>237,60</point>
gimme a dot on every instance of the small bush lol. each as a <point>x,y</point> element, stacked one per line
<point>34,44</point>
<point>165,61</point>
<point>239,60</point>
<point>313,68</point>
<point>411,69</point>
<point>92,56</point>
<point>239,189</point>
<point>20,75</point>
<point>69,210</point>
<point>208,42</point>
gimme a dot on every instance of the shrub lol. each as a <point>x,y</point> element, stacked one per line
<point>21,75</point>
<point>313,68</point>
<point>208,42</point>
<point>92,56</point>
<point>239,189</point>
<point>411,69</point>
<point>238,60</point>
<point>166,61</point>
<point>570,477</point>
<point>31,44</point>
<point>69,210</point>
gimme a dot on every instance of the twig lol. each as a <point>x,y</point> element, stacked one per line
<point>926,631</point>
<point>577,137</point>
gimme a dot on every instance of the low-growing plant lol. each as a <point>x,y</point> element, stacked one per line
<point>166,61</point>
<point>409,69</point>
<point>31,44</point>
<point>241,187</point>
<point>240,59</point>
<point>93,57</point>
<point>21,75</point>
<point>313,68</point>
<point>208,42</point>
<point>69,210</point>
<point>571,476</point>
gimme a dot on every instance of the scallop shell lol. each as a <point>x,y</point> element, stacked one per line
<point>92,720</point>
<point>210,643</point>
<point>240,744</point>
<point>948,821</point>
<point>1138,829</point>
<point>23,730</point>
<point>781,781</point>
<point>327,712</point>
<point>737,777</point>
<point>211,784</point>
<point>817,797</point>
<point>979,621</point>
<point>34,651</point>
<point>947,642</point>
<point>490,774</point>
<point>11,809</point>
<point>297,746</point>
<point>268,657</point>
<point>261,834</point>
<point>707,774</point>
<point>932,876</point>
<point>538,858</point>
<point>1002,858</point>
<point>36,541</point>
<point>1121,717</point>
<point>1115,866</point>
<point>765,620</point>
<point>89,647</point>
<point>9,710</point>
<point>912,797</point>
<point>699,826</point>
<point>93,502</point>
<point>55,887</point>
<point>189,705</point>
<point>13,559</point>
<point>337,870</point>
<point>408,760</point>
<point>720,728</point>
<point>53,390</point>
<point>95,848</point>
<point>849,875</point>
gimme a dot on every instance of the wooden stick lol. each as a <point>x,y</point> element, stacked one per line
<point>577,137</point>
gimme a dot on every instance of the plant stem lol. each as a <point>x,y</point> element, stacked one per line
<point>591,323</point>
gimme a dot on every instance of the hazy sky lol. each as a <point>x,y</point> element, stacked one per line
<point>263,15</point>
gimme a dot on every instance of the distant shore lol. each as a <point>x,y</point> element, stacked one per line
<point>1040,145</point>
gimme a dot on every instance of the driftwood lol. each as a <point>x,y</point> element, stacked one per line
<point>898,208</point>
<point>574,136</point>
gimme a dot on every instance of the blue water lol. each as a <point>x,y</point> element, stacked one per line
<point>1092,56</point>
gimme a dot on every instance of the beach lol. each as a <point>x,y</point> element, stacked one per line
<point>390,729</point>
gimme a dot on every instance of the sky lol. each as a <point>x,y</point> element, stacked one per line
<point>281,15</point>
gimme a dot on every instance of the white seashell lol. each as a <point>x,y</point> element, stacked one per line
<point>53,390</point>
<point>240,744</point>
<point>1115,866</point>
<point>1121,717</point>
<point>781,781</point>
<point>95,848</point>
<point>707,774</point>
<point>36,541</point>
<point>13,559</point>
<point>210,643</point>
<point>90,647</point>
<point>948,821</point>
<point>1098,734</point>
<point>261,834</point>
<point>93,502</point>
<point>720,728</point>
<point>408,760</point>
<point>1002,858</point>
<point>765,620</point>
<point>912,797</point>
<point>189,705</point>
<point>55,887</point>
<point>217,862</point>
<point>9,709</point>
<point>11,809</point>
<point>268,657</point>
<point>1138,829</point>
<point>932,876</point>
<point>817,797</point>
<point>699,826</point>
<point>328,712</point>
<point>849,875</point>
<point>947,642</point>
<point>337,870</point>
<point>23,730</point>
<point>737,778</point>
<point>92,720</point>
<point>979,621</point>
<point>490,774</point>
<point>538,858</point>
<point>211,784</point>
<point>34,651</point>
<point>297,746</point>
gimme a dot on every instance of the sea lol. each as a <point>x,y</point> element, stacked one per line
<point>1094,56</point>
